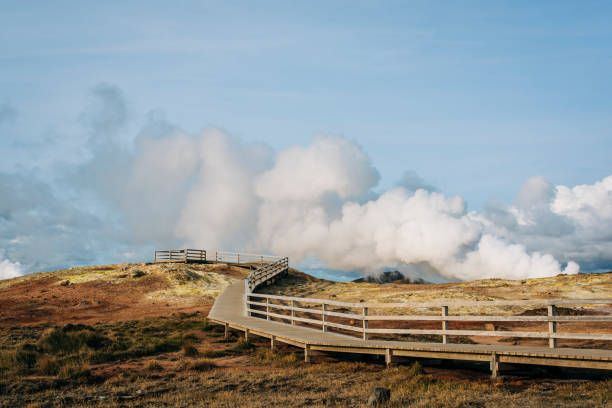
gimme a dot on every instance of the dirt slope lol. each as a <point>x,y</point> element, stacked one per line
<point>112,292</point>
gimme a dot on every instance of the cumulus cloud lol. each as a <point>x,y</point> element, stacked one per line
<point>43,230</point>
<point>313,203</point>
<point>572,224</point>
<point>211,190</point>
<point>9,269</point>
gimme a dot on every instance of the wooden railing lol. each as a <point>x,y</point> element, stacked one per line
<point>199,255</point>
<point>296,310</point>
<point>265,273</point>
<point>181,255</point>
<point>241,257</point>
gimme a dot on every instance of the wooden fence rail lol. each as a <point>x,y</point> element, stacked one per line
<point>266,273</point>
<point>199,255</point>
<point>242,257</point>
<point>180,255</point>
<point>284,309</point>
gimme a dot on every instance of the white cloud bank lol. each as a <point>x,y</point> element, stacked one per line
<point>311,202</point>
<point>316,201</point>
<point>9,269</point>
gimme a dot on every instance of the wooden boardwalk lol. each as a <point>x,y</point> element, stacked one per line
<point>230,310</point>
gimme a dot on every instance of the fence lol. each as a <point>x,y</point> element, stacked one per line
<point>181,255</point>
<point>241,257</point>
<point>198,255</point>
<point>334,315</point>
<point>265,273</point>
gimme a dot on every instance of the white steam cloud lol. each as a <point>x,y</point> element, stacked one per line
<point>9,269</point>
<point>316,201</point>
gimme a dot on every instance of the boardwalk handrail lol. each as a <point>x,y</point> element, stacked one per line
<point>199,255</point>
<point>180,255</point>
<point>265,273</point>
<point>244,257</point>
<point>263,308</point>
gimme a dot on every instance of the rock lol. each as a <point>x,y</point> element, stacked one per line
<point>65,283</point>
<point>379,396</point>
<point>138,274</point>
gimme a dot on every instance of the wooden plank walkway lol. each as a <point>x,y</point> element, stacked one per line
<point>229,310</point>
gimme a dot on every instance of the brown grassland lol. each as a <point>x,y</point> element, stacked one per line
<point>137,336</point>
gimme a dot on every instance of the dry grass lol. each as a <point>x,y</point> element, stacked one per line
<point>247,374</point>
<point>582,286</point>
<point>146,363</point>
<point>322,385</point>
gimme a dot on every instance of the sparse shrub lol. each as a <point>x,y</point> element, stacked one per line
<point>202,364</point>
<point>75,371</point>
<point>189,350</point>
<point>17,360</point>
<point>241,346</point>
<point>58,341</point>
<point>167,345</point>
<point>269,357</point>
<point>206,326</point>
<point>48,366</point>
<point>7,358</point>
<point>210,353</point>
<point>191,336</point>
<point>154,365</point>
<point>415,369</point>
<point>181,365</point>
<point>351,366</point>
<point>25,358</point>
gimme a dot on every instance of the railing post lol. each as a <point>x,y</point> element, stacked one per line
<point>155,259</point>
<point>324,317</point>
<point>247,290</point>
<point>552,326</point>
<point>185,255</point>
<point>267,308</point>
<point>388,357</point>
<point>444,324</point>
<point>292,312</point>
<point>238,258</point>
<point>216,256</point>
<point>494,364</point>
<point>365,322</point>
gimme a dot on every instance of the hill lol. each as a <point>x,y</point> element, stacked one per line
<point>113,292</point>
<point>136,335</point>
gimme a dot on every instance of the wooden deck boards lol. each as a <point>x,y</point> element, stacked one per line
<point>230,308</point>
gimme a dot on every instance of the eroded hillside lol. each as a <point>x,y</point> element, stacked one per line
<point>113,292</point>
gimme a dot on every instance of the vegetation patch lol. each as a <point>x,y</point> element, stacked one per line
<point>68,351</point>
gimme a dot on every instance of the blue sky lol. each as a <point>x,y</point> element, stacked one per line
<point>475,97</point>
